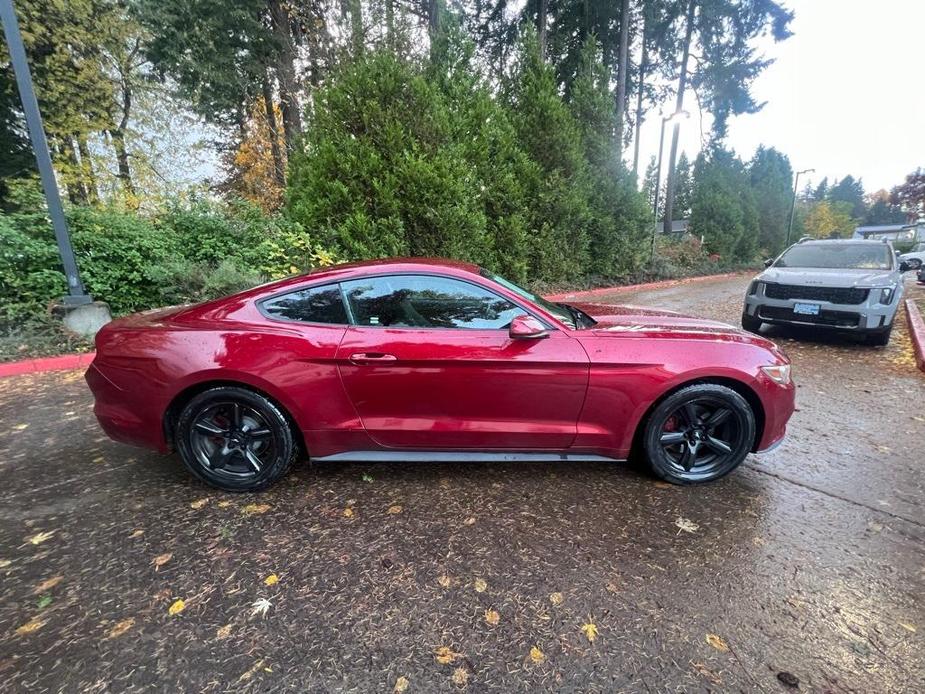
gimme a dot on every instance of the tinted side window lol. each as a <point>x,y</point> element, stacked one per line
<point>315,305</point>
<point>423,301</point>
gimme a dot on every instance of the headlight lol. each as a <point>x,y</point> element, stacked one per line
<point>753,287</point>
<point>779,373</point>
<point>886,295</point>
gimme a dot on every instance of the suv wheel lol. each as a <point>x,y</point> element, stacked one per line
<point>750,323</point>
<point>699,434</point>
<point>880,338</point>
<point>235,439</point>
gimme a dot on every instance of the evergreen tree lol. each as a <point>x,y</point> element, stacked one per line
<point>684,188</point>
<point>881,211</point>
<point>649,185</point>
<point>851,191</point>
<point>910,196</point>
<point>772,183</point>
<point>724,210</point>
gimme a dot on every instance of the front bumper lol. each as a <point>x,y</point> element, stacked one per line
<point>867,316</point>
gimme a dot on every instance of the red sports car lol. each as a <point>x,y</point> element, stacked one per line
<point>433,360</point>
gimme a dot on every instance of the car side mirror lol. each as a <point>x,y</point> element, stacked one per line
<point>904,266</point>
<point>526,327</point>
<point>769,262</point>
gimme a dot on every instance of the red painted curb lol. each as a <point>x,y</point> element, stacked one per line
<point>916,332</point>
<point>589,293</point>
<point>62,363</point>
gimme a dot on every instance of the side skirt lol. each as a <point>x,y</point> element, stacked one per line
<point>406,456</point>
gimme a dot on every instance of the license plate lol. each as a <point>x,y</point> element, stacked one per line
<point>806,309</point>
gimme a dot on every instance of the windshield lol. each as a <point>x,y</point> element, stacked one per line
<point>848,256</point>
<point>558,310</point>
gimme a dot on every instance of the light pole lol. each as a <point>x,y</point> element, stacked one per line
<point>793,202</point>
<point>658,172</point>
<point>76,294</point>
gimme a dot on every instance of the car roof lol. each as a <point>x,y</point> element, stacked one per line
<point>842,242</point>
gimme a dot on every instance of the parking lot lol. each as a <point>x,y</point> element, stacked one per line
<point>119,572</point>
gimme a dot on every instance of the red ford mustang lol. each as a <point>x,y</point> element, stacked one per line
<point>433,360</point>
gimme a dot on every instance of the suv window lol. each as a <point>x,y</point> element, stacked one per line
<point>426,301</point>
<point>312,305</point>
<point>849,256</point>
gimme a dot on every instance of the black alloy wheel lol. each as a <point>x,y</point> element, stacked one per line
<point>699,434</point>
<point>235,439</point>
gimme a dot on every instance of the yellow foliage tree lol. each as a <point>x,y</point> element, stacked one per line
<point>826,220</point>
<point>256,166</point>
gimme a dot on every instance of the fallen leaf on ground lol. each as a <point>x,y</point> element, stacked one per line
<point>253,509</point>
<point>907,626</point>
<point>445,655</point>
<point>460,676</point>
<point>492,616</point>
<point>43,602</point>
<point>663,485</point>
<point>469,521</point>
<point>590,630</point>
<point>444,581</point>
<point>394,509</point>
<point>555,598</point>
<point>348,512</point>
<point>177,607</point>
<point>271,580</point>
<point>717,643</point>
<point>121,627</point>
<point>137,533</point>
<point>47,585</point>
<point>223,632</point>
<point>789,680</point>
<point>250,673</point>
<point>20,427</point>
<point>5,563</point>
<point>707,672</point>
<point>226,504</point>
<point>33,624</point>
<point>161,559</point>
<point>39,538</point>
<point>686,525</point>
<point>261,606</point>
<point>367,477</point>
<point>401,685</point>
<point>536,655</point>
<point>479,585</point>
<point>199,503</point>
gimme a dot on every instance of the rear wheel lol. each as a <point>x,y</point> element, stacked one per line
<point>235,439</point>
<point>750,323</point>
<point>699,434</point>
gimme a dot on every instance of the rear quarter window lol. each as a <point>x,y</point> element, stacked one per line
<point>312,305</point>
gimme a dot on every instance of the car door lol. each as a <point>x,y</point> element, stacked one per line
<point>428,363</point>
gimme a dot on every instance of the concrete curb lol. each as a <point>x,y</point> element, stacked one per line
<point>591,293</point>
<point>916,332</point>
<point>31,366</point>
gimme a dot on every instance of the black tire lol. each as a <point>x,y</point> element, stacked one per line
<point>670,436</point>
<point>750,323</point>
<point>914,263</point>
<point>235,439</point>
<point>880,338</point>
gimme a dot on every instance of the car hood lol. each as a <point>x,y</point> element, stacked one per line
<point>619,319</point>
<point>824,277</point>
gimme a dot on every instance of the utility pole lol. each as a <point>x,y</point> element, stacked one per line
<point>793,202</point>
<point>77,295</point>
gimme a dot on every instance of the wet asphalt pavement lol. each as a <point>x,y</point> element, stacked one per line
<point>118,572</point>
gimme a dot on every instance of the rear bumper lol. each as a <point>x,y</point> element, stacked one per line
<point>125,417</point>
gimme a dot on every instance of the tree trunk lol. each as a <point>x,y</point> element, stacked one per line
<point>435,9</point>
<point>279,169</point>
<point>87,175</point>
<point>643,69</point>
<point>355,8</point>
<point>390,23</point>
<point>622,70</point>
<point>285,73</point>
<point>679,104</point>
<point>541,13</point>
<point>117,132</point>
<point>76,193</point>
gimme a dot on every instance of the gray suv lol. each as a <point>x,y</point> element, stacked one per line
<point>848,285</point>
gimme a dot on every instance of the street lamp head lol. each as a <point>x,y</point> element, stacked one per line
<point>806,171</point>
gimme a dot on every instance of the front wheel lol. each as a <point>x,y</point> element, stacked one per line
<point>235,439</point>
<point>880,338</point>
<point>699,434</point>
<point>750,323</point>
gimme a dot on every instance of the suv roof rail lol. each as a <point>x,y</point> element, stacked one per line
<point>805,238</point>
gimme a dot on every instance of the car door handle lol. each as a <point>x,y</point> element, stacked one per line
<point>372,357</point>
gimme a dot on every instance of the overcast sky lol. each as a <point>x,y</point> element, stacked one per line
<point>844,95</point>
